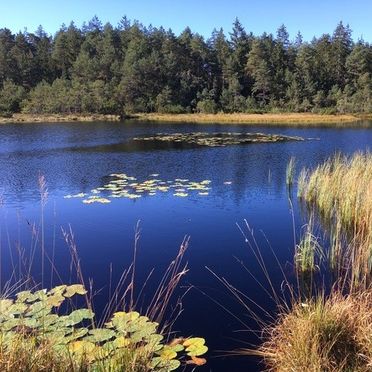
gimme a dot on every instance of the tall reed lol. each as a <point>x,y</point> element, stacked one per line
<point>340,190</point>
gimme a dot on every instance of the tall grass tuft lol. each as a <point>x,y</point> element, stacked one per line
<point>341,191</point>
<point>325,325</point>
<point>325,334</point>
<point>308,252</point>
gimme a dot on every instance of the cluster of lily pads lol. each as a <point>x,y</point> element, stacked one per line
<point>123,186</point>
<point>33,316</point>
<point>217,139</point>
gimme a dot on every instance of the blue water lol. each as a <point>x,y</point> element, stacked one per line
<point>78,157</point>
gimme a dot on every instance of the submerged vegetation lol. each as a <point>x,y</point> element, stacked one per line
<point>130,68</point>
<point>218,139</point>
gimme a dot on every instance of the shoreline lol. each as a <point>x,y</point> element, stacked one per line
<point>57,118</point>
<point>267,118</point>
<point>238,118</point>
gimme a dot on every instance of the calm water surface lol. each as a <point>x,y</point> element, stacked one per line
<point>78,157</point>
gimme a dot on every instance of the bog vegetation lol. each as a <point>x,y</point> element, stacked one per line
<point>131,68</point>
<point>35,337</point>
<point>328,326</point>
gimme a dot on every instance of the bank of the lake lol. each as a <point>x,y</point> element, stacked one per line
<point>220,118</point>
<point>57,118</point>
<point>243,118</point>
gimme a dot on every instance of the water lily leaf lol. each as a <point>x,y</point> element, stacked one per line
<point>100,335</point>
<point>194,341</point>
<point>38,309</point>
<point>55,300</point>
<point>155,338</point>
<point>78,316</point>
<point>23,296</point>
<point>195,346</point>
<point>18,308</point>
<point>81,347</point>
<point>5,304</point>
<point>10,324</point>
<point>121,342</point>
<point>122,319</point>
<point>76,334</point>
<point>50,319</point>
<point>165,365</point>
<point>31,322</point>
<point>177,348</point>
<point>74,289</point>
<point>168,354</point>
<point>40,295</point>
<point>59,289</point>
<point>196,350</point>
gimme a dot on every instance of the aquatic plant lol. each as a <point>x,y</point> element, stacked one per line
<point>123,186</point>
<point>217,139</point>
<point>308,252</point>
<point>340,190</point>
<point>127,342</point>
<point>290,171</point>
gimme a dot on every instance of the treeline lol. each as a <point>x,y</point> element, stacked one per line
<point>132,68</point>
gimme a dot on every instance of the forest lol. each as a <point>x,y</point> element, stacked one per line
<point>132,68</point>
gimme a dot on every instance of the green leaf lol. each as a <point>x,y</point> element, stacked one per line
<point>23,296</point>
<point>58,290</point>
<point>37,296</point>
<point>167,353</point>
<point>100,335</point>
<point>74,289</point>
<point>195,346</point>
<point>55,300</point>
<point>77,316</point>
<point>5,304</point>
<point>18,308</point>
<point>81,347</point>
<point>38,309</point>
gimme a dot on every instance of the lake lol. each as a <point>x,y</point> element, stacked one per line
<point>246,182</point>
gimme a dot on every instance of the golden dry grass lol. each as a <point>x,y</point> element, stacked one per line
<point>241,118</point>
<point>322,335</point>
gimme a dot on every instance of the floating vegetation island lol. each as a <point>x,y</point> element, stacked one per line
<point>217,139</point>
<point>123,186</point>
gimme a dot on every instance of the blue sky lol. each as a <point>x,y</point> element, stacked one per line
<point>312,18</point>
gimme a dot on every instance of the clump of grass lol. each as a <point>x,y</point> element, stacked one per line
<point>333,334</point>
<point>308,252</point>
<point>341,186</point>
<point>341,191</point>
